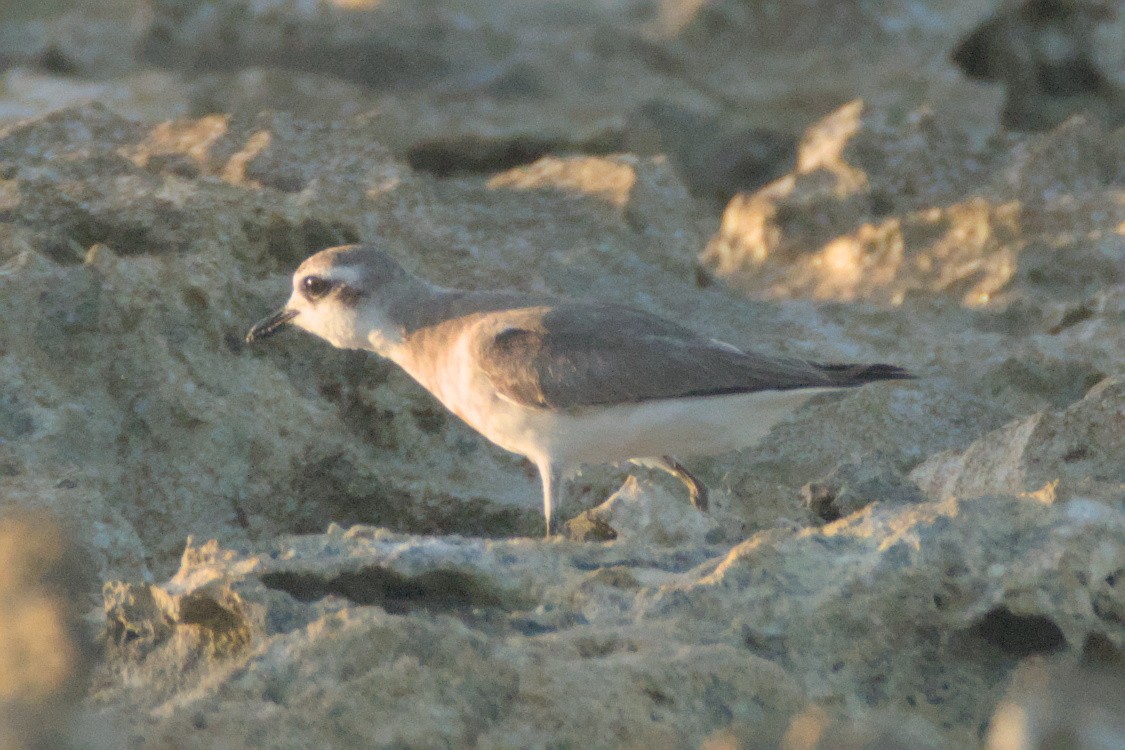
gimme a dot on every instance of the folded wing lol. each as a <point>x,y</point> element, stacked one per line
<point>573,356</point>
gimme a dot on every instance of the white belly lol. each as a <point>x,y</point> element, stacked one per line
<point>700,426</point>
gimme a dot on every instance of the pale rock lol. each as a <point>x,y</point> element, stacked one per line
<point>646,513</point>
<point>1052,455</point>
<point>922,608</point>
<point>873,212</point>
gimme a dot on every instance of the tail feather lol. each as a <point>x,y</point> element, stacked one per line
<point>843,374</point>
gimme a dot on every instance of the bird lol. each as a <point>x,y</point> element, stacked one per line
<point>564,383</point>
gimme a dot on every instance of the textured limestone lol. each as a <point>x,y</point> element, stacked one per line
<point>880,213</point>
<point>522,145</point>
<point>851,486</point>
<point>1076,452</point>
<point>137,255</point>
<point>916,608</point>
<point>648,514</point>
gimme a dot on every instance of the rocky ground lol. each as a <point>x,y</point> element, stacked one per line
<point>294,546</point>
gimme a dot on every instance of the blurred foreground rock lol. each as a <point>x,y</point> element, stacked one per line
<point>1080,707</point>
<point>1048,55</point>
<point>46,654</point>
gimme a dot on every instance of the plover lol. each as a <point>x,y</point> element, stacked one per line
<point>562,382</point>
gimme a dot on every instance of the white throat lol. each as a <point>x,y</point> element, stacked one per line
<point>363,327</point>
<point>377,332</point>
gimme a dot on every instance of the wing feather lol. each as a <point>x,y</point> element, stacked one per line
<point>572,356</point>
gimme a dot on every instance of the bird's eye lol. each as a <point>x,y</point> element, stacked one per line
<point>316,287</point>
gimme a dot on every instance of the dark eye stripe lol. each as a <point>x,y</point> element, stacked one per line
<point>315,287</point>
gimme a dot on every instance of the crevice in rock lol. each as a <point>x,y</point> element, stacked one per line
<point>290,242</point>
<point>222,626</point>
<point>56,61</point>
<point>336,488</point>
<point>378,64</point>
<point>441,590</point>
<point>1020,635</point>
<point>204,611</point>
<point>473,155</point>
<point>333,488</point>
<point>66,245</point>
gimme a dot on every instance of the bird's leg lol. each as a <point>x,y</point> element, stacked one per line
<point>697,491</point>
<point>552,477</point>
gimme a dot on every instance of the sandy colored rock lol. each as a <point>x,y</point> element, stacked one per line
<point>856,220</point>
<point>644,513</point>
<point>47,653</point>
<point>707,642</point>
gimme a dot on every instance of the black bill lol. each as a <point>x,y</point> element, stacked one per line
<point>271,325</point>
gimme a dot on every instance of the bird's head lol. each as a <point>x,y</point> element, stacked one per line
<point>347,296</point>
